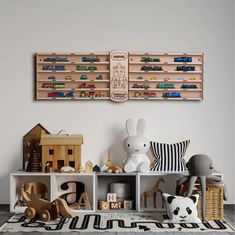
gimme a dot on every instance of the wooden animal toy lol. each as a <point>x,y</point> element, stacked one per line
<point>89,166</point>
<point>136,147</point>
<point>32,190</point>
<point>109,167</point>
<point>153,193</point>
<point>47,210</point>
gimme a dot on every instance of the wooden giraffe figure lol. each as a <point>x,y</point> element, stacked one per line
<point>153,192</point>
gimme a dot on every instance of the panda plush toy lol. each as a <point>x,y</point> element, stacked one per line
<point>181,209</point>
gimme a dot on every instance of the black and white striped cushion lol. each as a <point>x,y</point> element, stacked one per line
<point>168,157</point>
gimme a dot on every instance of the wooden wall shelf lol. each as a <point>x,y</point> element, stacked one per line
<point>119,76</point>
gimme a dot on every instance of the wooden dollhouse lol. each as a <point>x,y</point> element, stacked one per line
<point>31,142</point>
<point>59,151</point>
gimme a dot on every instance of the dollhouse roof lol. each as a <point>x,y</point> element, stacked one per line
<point>35,127</point>
<point>47,139</point>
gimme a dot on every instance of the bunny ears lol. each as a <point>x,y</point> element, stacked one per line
<point>130,128</point>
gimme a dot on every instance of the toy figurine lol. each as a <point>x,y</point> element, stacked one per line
<point>201,166</point>
<point>136,147</point>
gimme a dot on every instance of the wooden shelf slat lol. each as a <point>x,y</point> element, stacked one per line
<point>166,81</point>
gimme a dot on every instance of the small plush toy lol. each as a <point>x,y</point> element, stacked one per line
<point>136,147</point>
<point>201,166</point>
<point>181,209</point>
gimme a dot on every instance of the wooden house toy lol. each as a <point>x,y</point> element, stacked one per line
<point>61,150</point>
<point>31,142</point>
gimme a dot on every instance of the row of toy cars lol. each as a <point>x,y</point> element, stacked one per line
<point>65,59</point>
<point>91,94</point>
<point>182,59</point>
<point>55,85</point>
<point>147,94</point>
<point>164,86</point>
<point>60,94</point>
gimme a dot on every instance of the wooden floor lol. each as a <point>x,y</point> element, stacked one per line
<point>229,215</point>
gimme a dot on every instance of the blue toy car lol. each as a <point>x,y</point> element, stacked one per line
<point>171,95</point>
<point>185,68</point>
<point>183,59</point>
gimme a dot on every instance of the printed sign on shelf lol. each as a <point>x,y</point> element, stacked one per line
<point>118,76</point>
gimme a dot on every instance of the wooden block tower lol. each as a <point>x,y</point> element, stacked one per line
<point>60,150</point>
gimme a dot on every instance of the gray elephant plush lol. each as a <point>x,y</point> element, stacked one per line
<point>201,166</point>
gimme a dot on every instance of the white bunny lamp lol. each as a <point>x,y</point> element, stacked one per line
<point>136,147</point>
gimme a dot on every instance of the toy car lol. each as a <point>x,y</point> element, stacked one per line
<point>183,59</point>
<point>149,59</point>
<point>81,67</point>
<point>139,78</point>
<point>189,86</point>
<point>90,86</point>
<point>83,77</point>
<point>69,94</point>
<point>51,77</point>
<point>100,77</point>
<point>53,68</point>
<point>91,68</point>
<point>68,77</point>
<point>171,95</point>
<point>185,68</point>
<point>58,85</point>
<point>46,85</point>
<point>151,68</point>
<point>165,86</point>
<point>153,78</point>
<point>90,59</point>
<point>149,94</point>
<point>57,59</point>
<point>83,85</point>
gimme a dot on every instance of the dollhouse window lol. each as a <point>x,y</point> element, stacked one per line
<point>70,152</point>
<point>51,151</point>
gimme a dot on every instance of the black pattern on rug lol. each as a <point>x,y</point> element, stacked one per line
<point>112,222</point>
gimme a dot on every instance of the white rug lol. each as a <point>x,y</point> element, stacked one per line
<point>111,222</point>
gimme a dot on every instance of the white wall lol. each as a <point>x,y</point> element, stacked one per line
<point>29,26</point>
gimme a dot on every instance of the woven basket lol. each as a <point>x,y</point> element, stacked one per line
<point>214,200</point>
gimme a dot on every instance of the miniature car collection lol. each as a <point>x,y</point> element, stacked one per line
<point>171,95</point>
<point>150,59</point>
<point>151,68</point>
<point>58,85</point>
<point>145,94</point>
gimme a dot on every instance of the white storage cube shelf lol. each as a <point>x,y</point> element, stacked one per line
<point>97,185</point>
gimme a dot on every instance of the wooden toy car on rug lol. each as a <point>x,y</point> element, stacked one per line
<point>47,210</point>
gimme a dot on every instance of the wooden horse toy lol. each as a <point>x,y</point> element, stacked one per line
<point>153,192</point>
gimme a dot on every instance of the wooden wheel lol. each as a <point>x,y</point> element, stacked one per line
<point>30,212</point>
<point>45,215</point>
